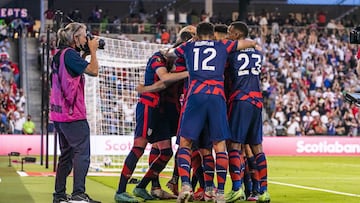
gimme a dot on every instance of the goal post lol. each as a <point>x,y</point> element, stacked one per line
<point>111,98</point>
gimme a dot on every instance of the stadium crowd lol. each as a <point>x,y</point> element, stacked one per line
<point>309,65</point>
<point>12,97</point>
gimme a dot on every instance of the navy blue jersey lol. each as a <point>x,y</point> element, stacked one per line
<point>245,69</point>
<point>156,61</point>
<point>205,61</point>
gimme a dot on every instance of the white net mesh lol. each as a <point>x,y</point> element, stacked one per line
<point>111,97</point>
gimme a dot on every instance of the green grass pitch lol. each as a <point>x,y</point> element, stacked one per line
<point>291,179</point>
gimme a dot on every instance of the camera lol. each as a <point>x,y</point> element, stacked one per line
<point>90,36</point>
<point>355,36</point>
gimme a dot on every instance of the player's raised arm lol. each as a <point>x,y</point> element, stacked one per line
<point>156,87</point>
<point>168,77</point>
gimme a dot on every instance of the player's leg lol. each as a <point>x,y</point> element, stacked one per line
<point>190,128</point>
<point>219,132</point>
<point>197,175</point>
<point>260,159</point>
<point>209,172</point>
<point>261,166</point>
<point>158,164</point>
<point>251,177</point>
<point>184,167</point>
<point>143,113</point>
<point>172,184</point>
<point>154,153</point>
<point>129,166</point>
<point>239,120</point>
<point>236,166</point>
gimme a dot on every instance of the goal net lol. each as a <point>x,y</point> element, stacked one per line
<point>111,100</point>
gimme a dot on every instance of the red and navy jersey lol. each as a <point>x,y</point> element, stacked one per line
<point>245,68</point>
<point>170,97</point>
<point>180,66</point>
<point>205,62</point>
<point>156,61</point>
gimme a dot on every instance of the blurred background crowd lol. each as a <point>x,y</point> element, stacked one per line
<point>309,61</point>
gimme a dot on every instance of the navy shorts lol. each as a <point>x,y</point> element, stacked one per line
<point>146,120</point>
<point>245,120</point>
<point>201,109</point>
<point>165,125</point>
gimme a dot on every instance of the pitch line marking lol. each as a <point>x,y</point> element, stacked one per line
<point>314,188</point>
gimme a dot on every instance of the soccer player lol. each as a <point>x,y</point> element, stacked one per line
<point>220,31</point>
<point>147,110</point>
<point>245,113</point>
<point>185,34</point>
<point>205,104</point>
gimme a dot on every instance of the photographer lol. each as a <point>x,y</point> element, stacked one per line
<point>67,109</point>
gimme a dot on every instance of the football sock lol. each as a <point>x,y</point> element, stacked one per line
<point>129,167</point>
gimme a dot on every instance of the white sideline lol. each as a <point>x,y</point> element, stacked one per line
<point>315,189</point>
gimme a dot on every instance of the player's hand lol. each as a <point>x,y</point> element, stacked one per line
<point>140,88</point>
<point>164,51</point>
<point>258,47</point>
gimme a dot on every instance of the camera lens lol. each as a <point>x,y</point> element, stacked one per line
<point>101,44</point>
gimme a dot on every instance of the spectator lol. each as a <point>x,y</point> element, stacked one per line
<point>29,126</point>
<point>268,130</point>
<point>165,37</point>
<point>49,18</point>
<point>293,127</point>
<point>19,122</point>
<point>5,45</point>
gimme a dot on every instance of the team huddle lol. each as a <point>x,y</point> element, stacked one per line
<point>206,91</point>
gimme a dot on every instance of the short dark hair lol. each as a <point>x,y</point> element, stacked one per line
<point>205,28</point>
<point>222,28</point>
<point>185,36</point>
<point>241,26</point>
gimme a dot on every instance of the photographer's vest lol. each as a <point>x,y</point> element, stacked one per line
<point>67,102</point>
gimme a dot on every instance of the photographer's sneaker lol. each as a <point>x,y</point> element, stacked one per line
<point>82,198</point>
<point>61,200</point>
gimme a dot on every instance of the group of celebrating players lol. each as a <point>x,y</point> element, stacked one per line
<point>206,90</point>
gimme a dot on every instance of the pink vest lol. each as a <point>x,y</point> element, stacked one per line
<point>67,102</point>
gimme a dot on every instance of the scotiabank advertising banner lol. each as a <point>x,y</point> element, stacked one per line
<point>121,145</point>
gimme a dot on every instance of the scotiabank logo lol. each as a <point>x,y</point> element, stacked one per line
<point>325,147</point>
